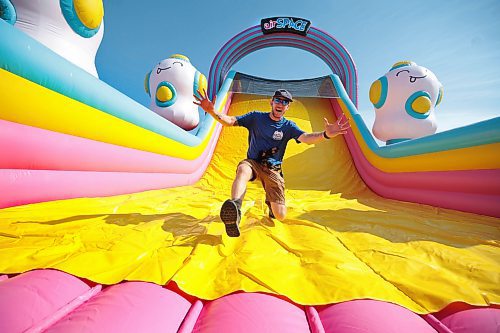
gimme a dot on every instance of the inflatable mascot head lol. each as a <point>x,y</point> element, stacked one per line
<point>71,28</point>
<point>171,85</point>
<point>404,100</point>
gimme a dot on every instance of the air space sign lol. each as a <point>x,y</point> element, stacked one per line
<point>293,25</point>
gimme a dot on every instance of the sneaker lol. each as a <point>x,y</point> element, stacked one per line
<point>230,214</point>
<point>271,215</point>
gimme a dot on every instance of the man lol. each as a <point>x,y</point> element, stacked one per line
<point>269,133</point>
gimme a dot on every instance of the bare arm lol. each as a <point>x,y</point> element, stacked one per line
<point>331,130</point>
<point>209,108</point>
<point>312,138</point>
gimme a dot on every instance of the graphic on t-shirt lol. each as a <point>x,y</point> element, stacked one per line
<point>278,135</point>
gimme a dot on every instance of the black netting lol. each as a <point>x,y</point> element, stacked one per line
<point>318,87</point>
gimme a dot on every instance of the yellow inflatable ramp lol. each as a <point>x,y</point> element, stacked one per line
<point>339,242</point>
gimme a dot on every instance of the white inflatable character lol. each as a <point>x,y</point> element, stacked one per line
<point>71,28</point>
<point>404,100</point>
<point>171,85</point>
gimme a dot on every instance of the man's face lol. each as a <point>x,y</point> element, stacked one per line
<point>279,106</point>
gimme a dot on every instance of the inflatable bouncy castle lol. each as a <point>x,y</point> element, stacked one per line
<point>109,211</point>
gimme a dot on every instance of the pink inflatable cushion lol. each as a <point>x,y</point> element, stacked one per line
<point>127,307</point>
<point>362,316</point>
<point>464,318</point>
<point>251,312</point>
<point>28,299</point>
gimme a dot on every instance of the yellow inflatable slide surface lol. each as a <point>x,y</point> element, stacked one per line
<point>339,242</point>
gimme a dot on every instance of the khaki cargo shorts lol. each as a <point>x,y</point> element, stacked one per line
<point>271,180</point>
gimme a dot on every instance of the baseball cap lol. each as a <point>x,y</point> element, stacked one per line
<point>283,93</point>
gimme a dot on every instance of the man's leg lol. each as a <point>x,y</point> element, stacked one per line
<point>244,174</point>
<point>274,184</point>
<point>279,211</point>
<point>230,212</point>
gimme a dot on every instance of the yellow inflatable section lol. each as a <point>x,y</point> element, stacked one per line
<point>339,242</point>
<point>469,158</point>
<point>28,103</point>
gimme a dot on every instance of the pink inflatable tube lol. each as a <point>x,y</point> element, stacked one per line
<point>26,147</point>
<point>464,318</point>
<point>191,317</point>
<point>31,186</point>
<point>38,297</point>
<point>127,307</point>
<point>361,316</point>
<point>486,204</point>
<point>400,188</point>
<point>470,181</point>
<point>476,193</point>
<point>251,312</point>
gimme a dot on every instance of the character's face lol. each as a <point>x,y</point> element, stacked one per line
<point>171,78</point>
<point>412,74</point>
<point>279,107</point>
<point>169,65</point>
<point>171,85</point>
<point>404,100</point>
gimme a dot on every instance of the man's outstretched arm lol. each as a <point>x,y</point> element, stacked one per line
<point>209,108</point>
<point>331,130</point>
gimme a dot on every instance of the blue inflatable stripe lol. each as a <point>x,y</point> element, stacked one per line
<point>393,141</point>
<point>481,133</point>
<point>26,57</point>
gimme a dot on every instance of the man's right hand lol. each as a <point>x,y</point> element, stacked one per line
<point>209,108</point>
<point>205,103</point>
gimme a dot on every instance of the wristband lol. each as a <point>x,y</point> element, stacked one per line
<point>326,136</point>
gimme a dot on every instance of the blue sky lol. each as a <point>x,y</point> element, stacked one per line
<point>458,40</point>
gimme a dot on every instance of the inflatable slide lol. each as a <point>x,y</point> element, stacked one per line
<point>109,219</point>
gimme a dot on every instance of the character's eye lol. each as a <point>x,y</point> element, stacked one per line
<point>158,71</point>
<point>404,70</point>
<point>8,12</point>
<point>166,95</point>
<point>177,62</point>
<point>84,17</point>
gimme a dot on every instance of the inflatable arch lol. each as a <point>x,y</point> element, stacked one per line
<point>315,41</point>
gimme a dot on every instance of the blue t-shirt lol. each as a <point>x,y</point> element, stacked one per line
<point>267,139</point>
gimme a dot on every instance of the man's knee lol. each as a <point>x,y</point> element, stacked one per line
<point>244,170</point>
<point>279,211</point>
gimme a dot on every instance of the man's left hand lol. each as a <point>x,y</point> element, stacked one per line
<point>336,128</point>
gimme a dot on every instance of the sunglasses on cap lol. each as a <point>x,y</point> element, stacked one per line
<point>282,101</point>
